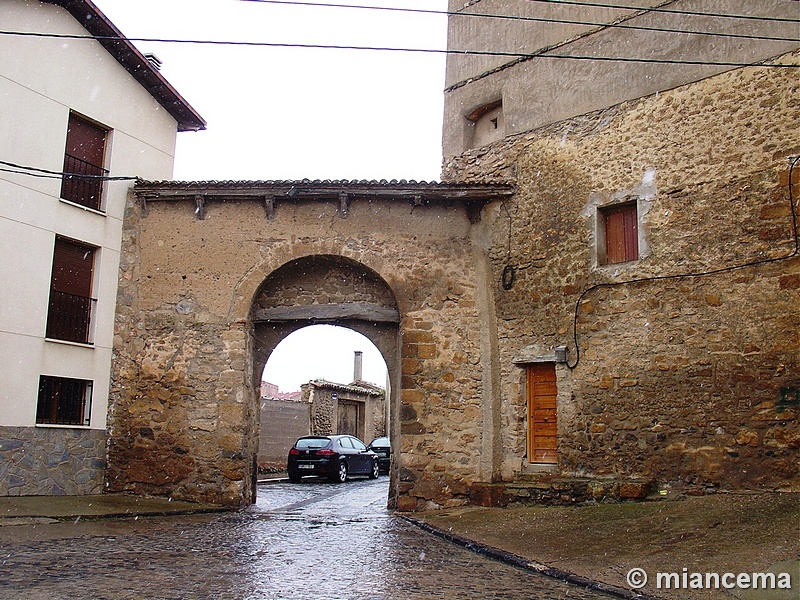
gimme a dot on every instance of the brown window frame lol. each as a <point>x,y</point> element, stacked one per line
<point>64,401</point>
<point>84,158</point>
<point>620,233</point>
<point>71,305</point>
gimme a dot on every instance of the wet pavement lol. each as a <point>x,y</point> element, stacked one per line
<point>308,540</point>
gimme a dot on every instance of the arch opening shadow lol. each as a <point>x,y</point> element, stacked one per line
<point>331,290</point>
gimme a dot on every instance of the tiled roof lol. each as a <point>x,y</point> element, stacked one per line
<point>318,188</point>
<point>359,387</point>
<point>126,54</point>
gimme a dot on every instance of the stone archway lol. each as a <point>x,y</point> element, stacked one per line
<point>213,275</point>
<point>329,289</point>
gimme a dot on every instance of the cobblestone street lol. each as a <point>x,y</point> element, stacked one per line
<point>310,540</point>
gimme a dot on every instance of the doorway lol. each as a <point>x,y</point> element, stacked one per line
<point>542,426</point>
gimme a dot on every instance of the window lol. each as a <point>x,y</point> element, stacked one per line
<point>620,223</point>
<point>63,401</point>
<point>83,163</point>
<point>487,124</point>
<point>70,309</point>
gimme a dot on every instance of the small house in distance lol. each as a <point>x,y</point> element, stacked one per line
<point>320,408</point>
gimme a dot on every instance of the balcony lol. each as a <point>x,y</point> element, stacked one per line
<point>69,316</point>
<point>82,182</point>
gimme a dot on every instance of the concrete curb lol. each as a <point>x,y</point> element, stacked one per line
<point>44,519</point>
<point>525,564</point>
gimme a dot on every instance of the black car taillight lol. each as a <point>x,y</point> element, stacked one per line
<point>294,451</point>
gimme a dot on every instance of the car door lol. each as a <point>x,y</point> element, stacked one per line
<point>348,453</point>
<point>364,459</point>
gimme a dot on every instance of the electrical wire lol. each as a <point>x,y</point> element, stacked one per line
<point>10,167</point>
<point>519,55</point>
<point>612,25</point>
<point>667,10</point>
<point>765,261</point>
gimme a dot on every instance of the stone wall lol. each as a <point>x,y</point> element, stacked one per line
<point>324,398</point>
<point>687,375</point>
<point>190,346</point>
<point>45,461</point>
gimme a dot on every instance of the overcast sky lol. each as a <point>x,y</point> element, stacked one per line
<point>301,113</point>
<point>295,113</point>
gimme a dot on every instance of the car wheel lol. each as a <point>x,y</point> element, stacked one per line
<point>294,477</point>
<point>340,475</point>
<point>375,470</point>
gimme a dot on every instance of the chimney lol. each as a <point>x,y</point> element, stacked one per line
<point>153,60</point>
<point>358,363</point>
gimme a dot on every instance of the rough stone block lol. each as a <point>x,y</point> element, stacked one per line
<point>633,490</point>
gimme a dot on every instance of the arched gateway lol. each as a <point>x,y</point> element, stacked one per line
<point>215,275</point>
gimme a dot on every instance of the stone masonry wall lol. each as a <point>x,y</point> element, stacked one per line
<point>689,382</point>
<point>43,461</point>
<point>184,400</point>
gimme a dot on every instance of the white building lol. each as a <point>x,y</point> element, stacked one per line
<point>97,109</point>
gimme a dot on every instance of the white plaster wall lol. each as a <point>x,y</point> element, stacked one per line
<point>41,80</point>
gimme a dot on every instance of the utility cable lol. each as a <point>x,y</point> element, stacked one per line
<point>668,10</point>
<point>519,55</point>
<point>612,25</point>
<point>765,261</point>
<point>9,167</point>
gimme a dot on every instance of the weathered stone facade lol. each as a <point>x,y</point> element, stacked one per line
<point>688,370</point>
<point>682,365</point>
<point>212,280</point>
<point>325,398</point>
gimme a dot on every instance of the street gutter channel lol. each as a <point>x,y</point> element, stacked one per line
<point>525,564</point>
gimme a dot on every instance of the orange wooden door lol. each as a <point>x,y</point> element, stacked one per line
<point>542,430</point>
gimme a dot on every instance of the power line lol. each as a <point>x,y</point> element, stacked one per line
<point>47,174</point>
<point>519,55</point>
<point>668,10</point>
<point>612,25</point>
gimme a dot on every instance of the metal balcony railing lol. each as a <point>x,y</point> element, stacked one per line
<point>69,316</point>
<point>82,182</point>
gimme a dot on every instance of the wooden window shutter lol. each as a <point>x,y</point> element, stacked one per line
<point>83,163</point>
<point>70,307</point>
<point>86,141</point>
<point>72,268</point>
<point>622,233</point>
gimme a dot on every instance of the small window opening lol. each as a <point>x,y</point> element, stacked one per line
<point>620,228</point>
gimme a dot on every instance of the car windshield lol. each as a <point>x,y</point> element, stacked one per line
<point>311,443</point>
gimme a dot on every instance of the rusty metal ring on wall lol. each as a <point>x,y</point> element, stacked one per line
<point>507,279</point>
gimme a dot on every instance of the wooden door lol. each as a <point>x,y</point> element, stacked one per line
<point>542,430</point>
<point>347,418</point>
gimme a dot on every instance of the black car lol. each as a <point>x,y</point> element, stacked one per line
<point>383,448</point>
<point>333,456</point>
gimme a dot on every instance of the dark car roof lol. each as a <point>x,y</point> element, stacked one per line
<point>325,437</point>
